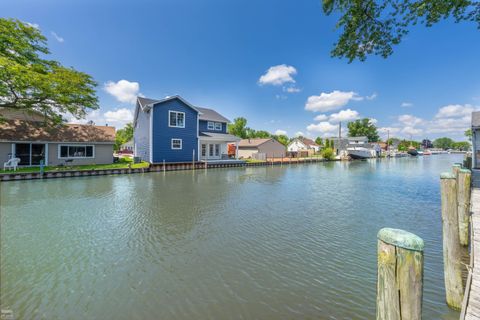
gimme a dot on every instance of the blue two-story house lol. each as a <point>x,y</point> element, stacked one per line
<point>173,130</point>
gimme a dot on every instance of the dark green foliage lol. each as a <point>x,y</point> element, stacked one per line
<point>374,27</point>
<point>31,83</point>
<point>363,127</point>
<point>123,135</point>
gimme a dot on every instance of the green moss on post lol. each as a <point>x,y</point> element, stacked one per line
<point>400,275</point>
<point>464,177</point>
<point>451,242</point>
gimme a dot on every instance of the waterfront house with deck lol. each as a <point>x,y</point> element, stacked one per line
<point>25,136</point>
<point>174,130</point>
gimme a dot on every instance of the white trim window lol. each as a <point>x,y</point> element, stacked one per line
<point>211,125</point>
<point>176,119</point>
<point>68,151</point>
<point>218,126</point>
<point>176,144</point>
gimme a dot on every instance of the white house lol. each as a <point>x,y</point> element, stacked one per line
<point>303,146</point>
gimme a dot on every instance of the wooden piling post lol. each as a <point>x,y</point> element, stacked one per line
<point>400,275</point>
<point>452,250</point>
<point>455,168</point>
<point>463,201</point>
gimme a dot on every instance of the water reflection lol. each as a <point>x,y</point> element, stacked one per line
<point>291,241</point>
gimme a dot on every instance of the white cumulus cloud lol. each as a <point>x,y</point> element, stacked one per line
<point>278,75</point>
<point>455,111</point>
<point>117,118</point>
<point>280,132</point>
<point>321,117</point>
<point>330,101</point>
<point>123,90</point>
<point>324,127</point>
<point>57,37</point>
<point>344,115</point>
<point>406,104</point>
<point>409,120</point>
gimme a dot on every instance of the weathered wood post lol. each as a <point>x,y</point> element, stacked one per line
<point>452,250</point>
<point>464,177</point>
<point>400,275</point>
<point>455,168</point>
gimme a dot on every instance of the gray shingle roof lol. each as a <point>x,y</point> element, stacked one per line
<point>144,101</point>
<point>476,119</point>
<point>220,136</point>
<point>211,115</point>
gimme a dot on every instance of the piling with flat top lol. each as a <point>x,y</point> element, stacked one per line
<point>464,177</point>
<point>400,275</point>
<point>452,249</point>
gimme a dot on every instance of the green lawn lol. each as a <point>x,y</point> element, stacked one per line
<point>122,164</point>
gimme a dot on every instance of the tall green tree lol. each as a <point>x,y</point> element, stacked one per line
<point>123,135</point>
<point>319,141</point>
<point>30,82</point>
<point>375,26</point>
<point>444,143</point>
<point>363,127</point>
<point>238,127</point>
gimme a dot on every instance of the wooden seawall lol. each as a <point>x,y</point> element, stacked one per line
<point>471,302</point>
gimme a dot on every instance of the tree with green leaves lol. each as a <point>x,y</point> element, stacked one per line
<point>375,26</point>
<point>444,143</point>
<point>239,127</point>
<point>468,134</point>
<point>319,141</point>
<point>363,127</point>
<point>462,145</point>
<point>123,135</point>
<point>262,134</point>
<point>30,83</point>
<point>283,139</point>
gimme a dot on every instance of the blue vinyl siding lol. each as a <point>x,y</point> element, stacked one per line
<point>141,136</point>
<point>163,134</point>
<point>203,127</point>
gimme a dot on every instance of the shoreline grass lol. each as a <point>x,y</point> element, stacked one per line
<point>121,164</point>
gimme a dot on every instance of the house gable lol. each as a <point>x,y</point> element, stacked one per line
<point>166,139</point>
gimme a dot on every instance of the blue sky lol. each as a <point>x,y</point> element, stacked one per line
<point>214,54</point>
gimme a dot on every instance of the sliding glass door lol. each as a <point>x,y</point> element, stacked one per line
<point>30,154</point>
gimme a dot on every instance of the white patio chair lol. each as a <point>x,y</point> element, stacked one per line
<point>11,164</point>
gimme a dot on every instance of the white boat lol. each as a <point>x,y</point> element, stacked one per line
<point>359,153</point>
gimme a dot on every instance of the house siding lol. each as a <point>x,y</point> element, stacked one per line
<point>103,154</point>
<point>141,136</point>
<point>5,150</point>
<point>203,127</point>
<point>162,134</point>
<point>272,148</point>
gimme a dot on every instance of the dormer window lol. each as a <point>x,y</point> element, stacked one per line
<point>218,126</point>
<point>176,119</point>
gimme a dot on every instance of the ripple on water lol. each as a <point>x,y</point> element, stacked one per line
<point>284,242</point>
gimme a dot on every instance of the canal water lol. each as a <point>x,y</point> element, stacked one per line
<point>290,242</point>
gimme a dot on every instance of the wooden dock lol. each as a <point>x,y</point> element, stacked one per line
<point>471,302</point>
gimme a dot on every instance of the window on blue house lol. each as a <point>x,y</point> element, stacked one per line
<point>176,144</point>
<point>211,125</point>
<point>218,126</point>
<point>176,119</point>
